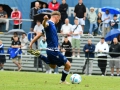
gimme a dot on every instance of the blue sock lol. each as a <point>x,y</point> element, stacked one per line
<point>64,75</point>
<point>45,59</point>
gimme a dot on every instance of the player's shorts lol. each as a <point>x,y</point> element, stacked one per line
<point>81,21</point>
<point>2,59</point>
<point>114,63</point>
<point>56,58</point>
<point>76,43</point>
<point>18,58</point>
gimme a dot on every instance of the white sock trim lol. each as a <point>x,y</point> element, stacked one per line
<point>66,72</point>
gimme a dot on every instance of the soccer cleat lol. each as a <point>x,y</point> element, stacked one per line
<point>34,52</point>
<point>64,82</point>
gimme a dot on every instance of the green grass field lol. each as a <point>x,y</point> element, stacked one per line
<point>40,81</point>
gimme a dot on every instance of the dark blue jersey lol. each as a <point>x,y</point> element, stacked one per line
<point>51,35</point>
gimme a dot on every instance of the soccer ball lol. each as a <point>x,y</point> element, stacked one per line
<point>75,79</point>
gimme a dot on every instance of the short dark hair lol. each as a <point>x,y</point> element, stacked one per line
<point>102,38</point>
<point>38,21</point>
<point>66,36</point>
<point>115,15</point>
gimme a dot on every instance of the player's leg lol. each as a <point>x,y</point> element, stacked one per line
<point>65,72</point>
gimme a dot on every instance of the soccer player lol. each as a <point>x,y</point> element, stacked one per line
<point>54,57</point>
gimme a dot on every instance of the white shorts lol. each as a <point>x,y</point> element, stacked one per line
<point>81,21</point>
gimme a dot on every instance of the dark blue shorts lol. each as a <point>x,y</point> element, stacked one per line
<point>56,57</point>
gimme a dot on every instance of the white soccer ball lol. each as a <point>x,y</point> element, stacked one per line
<point>75,79</point>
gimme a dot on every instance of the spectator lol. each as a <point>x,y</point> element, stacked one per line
<point>99,21</point>
<point>3,17</point>
<point>43,45</point>
<point>92,16</point>
<point>67,29</point>
<point>89,49</point>
<point>114,22</point>
<point>24,43</point>
<point>14,35</point>
<point>106,17</point>
<point>17,44</point>
<point>80,12</point>
<point>115,48</point>
<point>16,14</point>
<point>44,6</point>
<point>35,45</point>
<point>76,32</point>
<point>102,48</point>
<point>53,5</point>
<point>67,48</point>
<point>34,12</point>
<point>2,57</point>
<point>38,29</point>
<point>118,37</point>
<point>63,10</point>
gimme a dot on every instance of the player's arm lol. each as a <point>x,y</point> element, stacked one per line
<point>39,34</point>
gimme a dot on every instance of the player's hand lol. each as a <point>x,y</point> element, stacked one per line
<point>45,17</point>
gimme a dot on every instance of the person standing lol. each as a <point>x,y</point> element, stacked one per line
<point>92,16</point>
<point>54,5</point>
<point>76,34</point>
<point>2,57</point>
<point>114,22</point>
<point>89,53</point>
<point>102,48</point>
<point>80,12</point>
<point>38,29</point>
<point>16,14</point>
<point>67,48</point>
<point>99,21</point>
<point>16,44</point>
<point>63,10</point>
<point>115,62</point>
<point>3,17</point>
<point>43,46</point>
<point>106,17</point>
<point>24,43</point>
<point>67,29</point>
<point>33,12</point>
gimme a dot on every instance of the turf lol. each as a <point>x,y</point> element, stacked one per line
<point>40,81</point>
